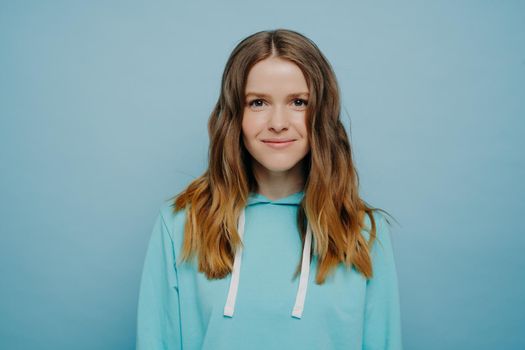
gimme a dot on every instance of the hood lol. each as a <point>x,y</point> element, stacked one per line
<point>256,199</point>
<point>293,199</point>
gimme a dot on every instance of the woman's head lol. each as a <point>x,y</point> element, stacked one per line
<point>276,65</point>
<point>265,61</point>
<point>274,119</point>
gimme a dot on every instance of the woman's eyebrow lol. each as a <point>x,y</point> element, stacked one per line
<point>260,94</point>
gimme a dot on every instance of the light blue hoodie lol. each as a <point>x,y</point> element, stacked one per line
<point>258,305</point>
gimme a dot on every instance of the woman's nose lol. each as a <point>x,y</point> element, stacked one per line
<point>278,119</point>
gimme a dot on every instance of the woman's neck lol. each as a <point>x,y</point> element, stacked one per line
<point>278,184</point>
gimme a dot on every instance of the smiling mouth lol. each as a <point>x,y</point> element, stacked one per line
<point>278,144</point>
<point>278,141</point>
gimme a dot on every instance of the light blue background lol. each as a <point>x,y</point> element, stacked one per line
<point>104,106</point>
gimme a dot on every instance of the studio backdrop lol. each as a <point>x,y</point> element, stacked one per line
<point>103,112</point>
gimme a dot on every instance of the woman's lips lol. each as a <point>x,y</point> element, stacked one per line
<point>278,144</point>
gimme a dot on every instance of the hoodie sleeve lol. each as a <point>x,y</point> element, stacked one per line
<point>158,318</point>
<point>382,324</point>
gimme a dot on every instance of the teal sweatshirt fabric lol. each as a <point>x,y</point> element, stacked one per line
<point>258,305</point>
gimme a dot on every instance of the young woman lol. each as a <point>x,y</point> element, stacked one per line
<point>272,247</point>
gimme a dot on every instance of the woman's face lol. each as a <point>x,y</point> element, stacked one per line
<point>274,118</point>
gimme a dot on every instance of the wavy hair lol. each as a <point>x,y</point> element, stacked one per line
<point>331,201</point>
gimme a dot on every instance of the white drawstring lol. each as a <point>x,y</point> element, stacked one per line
<point>234,282</point>
<point>297,311</point>
<point>305,273</point>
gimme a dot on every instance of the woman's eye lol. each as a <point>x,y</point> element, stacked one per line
<point>299,102</point>
<point>256,103</point>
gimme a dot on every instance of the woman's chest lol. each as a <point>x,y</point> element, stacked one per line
<point>266,284</point>
<point>267,288</point>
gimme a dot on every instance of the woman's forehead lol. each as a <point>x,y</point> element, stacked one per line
<point>276,75</point>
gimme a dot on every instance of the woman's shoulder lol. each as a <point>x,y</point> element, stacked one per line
<point>381,225</point>
<point>173,219</point>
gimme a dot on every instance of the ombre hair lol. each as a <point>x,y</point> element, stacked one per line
<point>331,201</point>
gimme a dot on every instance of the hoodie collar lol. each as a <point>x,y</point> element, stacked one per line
<point>293,199</point>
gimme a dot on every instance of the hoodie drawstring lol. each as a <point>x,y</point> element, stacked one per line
<point>305,273</point>
<point>297,311</point>
<point>234,282</point>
